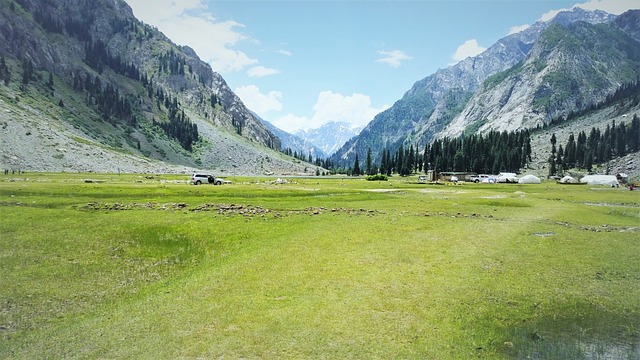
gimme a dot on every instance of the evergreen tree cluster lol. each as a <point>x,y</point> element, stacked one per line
<point>179,126</point>
<point>45,16</point>
<point>106,99</point>
<point>626,92</point>
<point>27,71</point>
<point>105,96</point>
<point>404,161</point>
<point>490,153</point>
<point>238,124</point>
<point>47,21</point>
<point>318,161</point>
<point>172,63</point>
<point>5,73</point>
<point>98,56</point>
<point>596,148</point>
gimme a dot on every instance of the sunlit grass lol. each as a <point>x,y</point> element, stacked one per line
<point>341,268</point>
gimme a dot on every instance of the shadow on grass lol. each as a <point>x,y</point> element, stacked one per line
<point>580,331</point>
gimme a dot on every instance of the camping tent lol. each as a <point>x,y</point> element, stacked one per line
<point>507,178</point>
<point>529,179</point>
<point>608,180</point>
<point>568,180</point>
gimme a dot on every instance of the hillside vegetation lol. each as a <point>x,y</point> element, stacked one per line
<point>85,86</point>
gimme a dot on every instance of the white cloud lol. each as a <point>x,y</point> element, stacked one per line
<point>355,110</point>
<point>393,58</point>
<point>615,7</point>
<point>179,20</point>
<point>291,123</point>
<point>551,14</point>
<point>469,48</point>
<point>162,9</point>
<point>258,102</point>
<point>517,29</point>
<point>261,71</point>
<point>285,53</point>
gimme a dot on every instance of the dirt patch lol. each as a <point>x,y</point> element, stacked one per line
<point>223,209</point>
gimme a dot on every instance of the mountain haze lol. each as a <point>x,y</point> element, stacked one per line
<point>294,143</point>
<point>329,137</point>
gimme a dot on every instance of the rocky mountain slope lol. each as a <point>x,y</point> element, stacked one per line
<point>455,99</point>
<point>85,86</point>
<point>569,68</point>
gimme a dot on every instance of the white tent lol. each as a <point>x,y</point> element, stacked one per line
<point>529,179</point>
<point>608,180</point>
<point>507,178</point>
<point>568,180</point>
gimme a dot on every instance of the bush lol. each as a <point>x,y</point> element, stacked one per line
<point>379,177</point>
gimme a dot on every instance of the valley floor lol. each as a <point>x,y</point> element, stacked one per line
<point>151,267</point>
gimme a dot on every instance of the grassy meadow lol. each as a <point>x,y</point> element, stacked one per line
<point>128,266</point>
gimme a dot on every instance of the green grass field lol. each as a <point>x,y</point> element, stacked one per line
<point>135,267</point>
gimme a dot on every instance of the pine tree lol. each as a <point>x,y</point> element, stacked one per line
<point>369,164</point>
<point>559,160</point>
<point>356,167</point>
<point>411,160</point>
<point>383,162</point>
<point>552,166</point>
<point>27,71</point>
<point>50,82</point>
<point>633,135</point>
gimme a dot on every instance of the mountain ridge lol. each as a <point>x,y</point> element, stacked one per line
<point>434,101</point>
<point>562,74</point>
<point>123,86</point>
<point>330,136</point>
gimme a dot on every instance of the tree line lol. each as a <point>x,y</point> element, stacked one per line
<point>172,63</point>
<point>626,92</point>
<point>598,147</point>
<point>178,127</point>
<point>480,153</point>
<point>106,98</point>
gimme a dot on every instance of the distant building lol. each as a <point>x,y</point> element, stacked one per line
<point>460,175</point>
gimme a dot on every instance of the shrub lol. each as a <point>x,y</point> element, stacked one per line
<point>378,177</point>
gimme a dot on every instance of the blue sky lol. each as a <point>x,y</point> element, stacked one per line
<point>300,64</point>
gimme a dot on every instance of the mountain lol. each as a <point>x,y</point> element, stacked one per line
<point>88,87</point>
<point>569,68</point>
<point>329,137</point>
<point>443,103</point>
<point>294,144</point>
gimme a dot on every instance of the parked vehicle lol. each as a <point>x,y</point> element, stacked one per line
<point>478,178</point>
<point>197,179</point>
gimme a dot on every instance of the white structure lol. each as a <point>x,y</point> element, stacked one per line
<point>568,180</point>
<point>529,179</point>
<point>507,178</point>
<point>607,180</point>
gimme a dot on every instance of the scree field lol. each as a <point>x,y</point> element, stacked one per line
<point>129,266</point>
